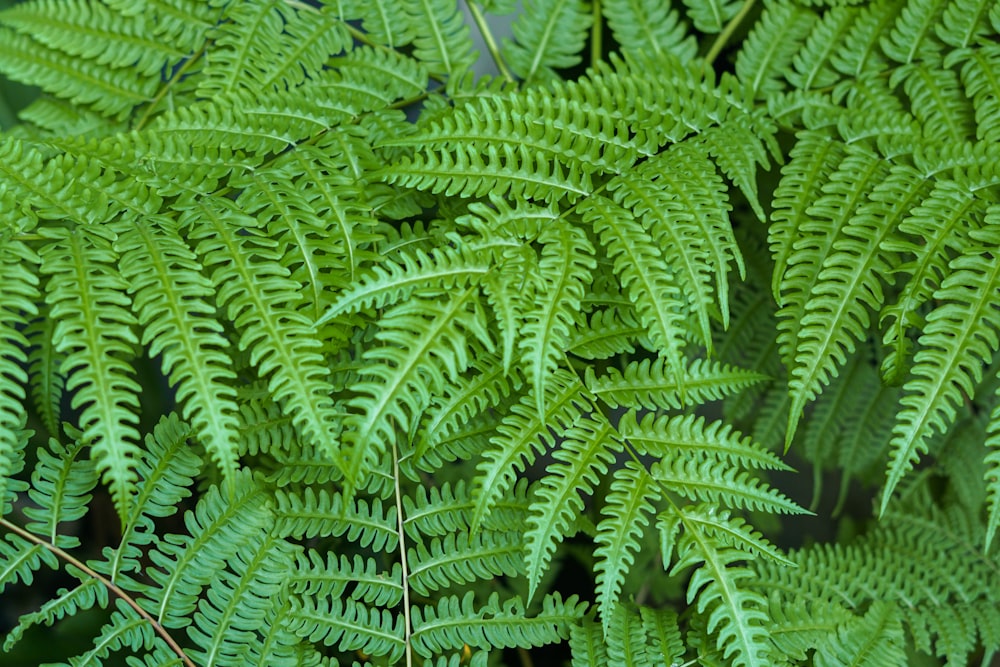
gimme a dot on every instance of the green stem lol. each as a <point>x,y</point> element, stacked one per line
<point>407,628</point>
<point>491,43</point>
<point>727,32</point>
<point>596,33</point>
<point>148,112</point>
<point>113,587</point>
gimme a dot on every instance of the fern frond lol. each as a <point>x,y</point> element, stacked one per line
<point>268,44</point>
<point>587,646</point>
<point>959,339</point>
<point>259,298</point>
<point>689,436</point>
<point>938,101</point>
<point>588,448</point>
<point>124,630</point>
<point>848,287</point>
<point>384,21</point>
<point>111,91</point>
<point>441,38</point>
<point>241,601</point>
<point>813,159</point>
<point>423,343</point>
<point>821,238</point>
<point>87,297</point>
<point>710,481</point>
<point>768,50</point>
<point>859,52</point>
<point>522,434</point>
<point>61,489</point>
<point>564,268</point>
<point>811,66</point>
<point>982,86</point>
<point>183,23</point>
<point>47,383</point>
<point>358,578</point>
<point>625,639</point>
<point>308,514</point>
<point>932,233</point>
<point>626,514</point>
<point>17,302</point>
<point>712,15</point>
<point>647,384</point>
<point>736,613</point>
<point>171,299</point>
<point>427,274</point>
<point>461,558</point>
<point>93,31</point>
<point>548,35</point>
<point>609,332</point>
<point>669,220</point>
<point>461,400</point>
<point>347,624</point>
<point>218,527</point>
<point>644,273</point>
<point>456,622</point>
<point>66,602</point>
<point>447,510</point>
<point>912,37</point>
<point>647,26</point>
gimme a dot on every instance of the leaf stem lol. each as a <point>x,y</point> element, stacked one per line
<point>113,587</point>
<point>407,629</point>
<point>727,32</point>
<point>596,34</point>
<point>174,78</point>
<point>491,43</point>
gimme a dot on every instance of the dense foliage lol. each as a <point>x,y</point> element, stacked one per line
<point>318,348</point>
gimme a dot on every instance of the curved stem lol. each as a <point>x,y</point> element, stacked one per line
<point>727,32</point>
<point>491,43</point>
<point>147,113</point>
<point>113,587</point>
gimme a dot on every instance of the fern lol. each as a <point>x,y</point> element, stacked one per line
<point>377,359</point>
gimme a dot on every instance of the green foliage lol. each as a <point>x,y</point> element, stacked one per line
<point>318,347</point>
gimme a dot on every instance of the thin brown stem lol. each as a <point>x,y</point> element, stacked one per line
<point>113,587</point>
